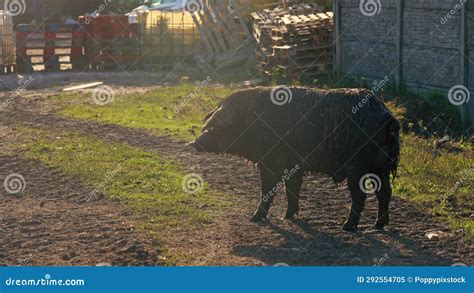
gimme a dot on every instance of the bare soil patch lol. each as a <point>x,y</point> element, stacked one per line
<point>49,224</point>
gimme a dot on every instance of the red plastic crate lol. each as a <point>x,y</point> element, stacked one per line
<point>113,58</point>
<point>20,36</point>
<point>65,35</point>
<point>111,36</point>
<point>107,27</point>
<point>103,20</point>
<point>116,30</point>
<point>50,51</point>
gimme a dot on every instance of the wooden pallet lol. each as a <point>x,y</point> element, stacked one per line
<point>300,9</point>
<point>296,40</point>
<point>50,47</point>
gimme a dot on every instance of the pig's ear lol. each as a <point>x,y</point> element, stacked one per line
<point>209,115</point>
<point>221,117</point>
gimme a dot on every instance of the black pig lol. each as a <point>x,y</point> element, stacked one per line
<point>288,132</point>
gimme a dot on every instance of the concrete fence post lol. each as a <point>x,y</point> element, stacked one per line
<point>337,36</point>
<point>465,115</point>
<point>399,45</point>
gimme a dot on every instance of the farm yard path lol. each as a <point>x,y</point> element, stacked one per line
<point>92,231</point>
<point>49,225</point>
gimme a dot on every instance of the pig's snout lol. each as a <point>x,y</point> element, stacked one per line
<point>195,144</point>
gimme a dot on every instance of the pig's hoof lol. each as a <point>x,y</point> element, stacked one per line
<point>381,223</point>
<point>379,226</point>
<point>258,217</point>
<point>291,217</point>
<point>349,227</point>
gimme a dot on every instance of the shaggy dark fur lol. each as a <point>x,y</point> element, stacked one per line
<point>344,133</point>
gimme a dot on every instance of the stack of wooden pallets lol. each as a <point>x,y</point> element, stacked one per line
<point>50,47</point>
<point>7,44</point>
<point>296,41</point>
<point>112,42</point>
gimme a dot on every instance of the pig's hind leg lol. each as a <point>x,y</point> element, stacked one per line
<point>383,198</point>
<point>292,188</point>
<point>358,201</point>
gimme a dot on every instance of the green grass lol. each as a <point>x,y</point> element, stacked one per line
<point>176,110</point>
<point>424,179</point>
<point>148,184</point>
<point>429,180</point>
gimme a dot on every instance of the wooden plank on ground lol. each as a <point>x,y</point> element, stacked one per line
<point>83,86</point>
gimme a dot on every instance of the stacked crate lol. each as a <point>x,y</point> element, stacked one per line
<point>296,40</point>
<point>50,47</point>
<point>7,44</point>
<point>112,43</point>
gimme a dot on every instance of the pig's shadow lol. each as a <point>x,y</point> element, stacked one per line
<point>309,246</point>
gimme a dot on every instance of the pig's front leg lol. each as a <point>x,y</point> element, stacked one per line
<point>271,182</point>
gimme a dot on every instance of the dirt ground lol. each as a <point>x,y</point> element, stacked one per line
<point>49,225</point>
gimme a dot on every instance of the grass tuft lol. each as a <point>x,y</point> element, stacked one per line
<point>178,111</point>
<point>147,183</point>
